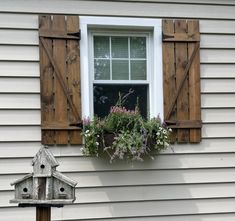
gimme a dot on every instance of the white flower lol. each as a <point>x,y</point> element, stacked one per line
<point>158,142</point>
<point>164,131</point>
<point>98,135</point>
<point>158,133</point>
<point>170,129</point>
<point>87,131</point>
<point>97,143</point>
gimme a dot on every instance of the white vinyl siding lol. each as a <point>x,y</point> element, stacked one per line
<point>187,182</point>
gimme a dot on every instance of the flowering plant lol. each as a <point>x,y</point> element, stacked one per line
<point>132,136</point>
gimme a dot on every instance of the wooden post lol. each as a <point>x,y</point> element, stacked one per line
<point>43,213</point>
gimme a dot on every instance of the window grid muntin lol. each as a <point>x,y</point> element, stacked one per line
<point>129,59</point>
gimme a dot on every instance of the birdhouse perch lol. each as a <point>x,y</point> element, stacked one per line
<point>45,186</point>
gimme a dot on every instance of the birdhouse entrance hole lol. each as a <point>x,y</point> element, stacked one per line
<point>25,190</point>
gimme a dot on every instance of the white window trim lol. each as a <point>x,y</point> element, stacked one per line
<point>156,76</point>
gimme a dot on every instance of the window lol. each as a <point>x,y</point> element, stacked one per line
<point>119,55</point>
<point>119,66</point>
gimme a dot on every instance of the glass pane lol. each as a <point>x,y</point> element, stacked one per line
<point>101,47</point>
<point>119,47</point>
<point>138,47</point>
<point>106,96</point>
<point>102,69</point>
<point>120,70</point>
<point>138,70</point>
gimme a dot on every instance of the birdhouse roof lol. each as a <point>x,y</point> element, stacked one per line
<point>22,179</point>
<point>64,178</point>
<point>45,152</point>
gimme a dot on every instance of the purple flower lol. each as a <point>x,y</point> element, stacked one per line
<point>86,121</point>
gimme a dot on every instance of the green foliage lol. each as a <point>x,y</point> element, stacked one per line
<point>133,137</point>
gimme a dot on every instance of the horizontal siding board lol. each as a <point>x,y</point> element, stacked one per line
<point>146,193</point>
<point>218,71</point>
<point>19,149</point>
<point>162,162</point>
<point>20,117</point>
<point>19,21</point>
<point>212,2</point>
<point>206,146</point>
<point>19,69</point>
<point>29,149</point>
<point>138,178</point>
<point>28,214</point>
<point>218,85</point>
<point>172,161</point>
<point>19,85</point>
<point>217,41</point>
<point>218,115</point>
<point>119,8</point>
<point>20,133</point>
<point>194,217</point>
<point>217,26</point>
<point>217,56</point>
<point>19,101</point>
<point>130,209</point>
<point>20,37</point>
<point>133,209</point>
<point>19,53</point>
<point>218,130</point>
<point>143,193</point>
<point>218,100</point>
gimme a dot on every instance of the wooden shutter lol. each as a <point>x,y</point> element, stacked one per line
<point>181,68</point>
<point>60,79</point>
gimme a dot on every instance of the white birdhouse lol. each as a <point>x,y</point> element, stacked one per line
<point>45,185</point>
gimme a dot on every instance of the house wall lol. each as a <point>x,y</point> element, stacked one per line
<point>186,182</point>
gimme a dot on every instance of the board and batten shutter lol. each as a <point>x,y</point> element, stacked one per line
<point>60,79</point>
<point>181,70</point>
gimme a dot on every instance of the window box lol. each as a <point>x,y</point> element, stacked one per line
<point>124,134</point>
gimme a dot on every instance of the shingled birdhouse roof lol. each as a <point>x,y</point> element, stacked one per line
<point>44,152</point>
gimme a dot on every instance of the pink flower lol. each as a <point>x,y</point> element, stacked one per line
<point>86,121</point>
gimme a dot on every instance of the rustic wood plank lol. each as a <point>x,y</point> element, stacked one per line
<point>181,37</point>
<point>46,78</point>
<point>185,124</point>
<point>57,34</point>
<point>169,72</point>
<point>194,85</point>
<point>182,101</point>
<point>74,83</point>
<point>59,54</point>
<point>43,213</point>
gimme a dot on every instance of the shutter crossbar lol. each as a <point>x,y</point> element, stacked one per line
<point>181,37</point>
<point>59,35</point>
<point>186,70</point>
<point>184,124</point>
<point>60,79</point>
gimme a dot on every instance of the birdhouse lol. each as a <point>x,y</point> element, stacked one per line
<point>45,185</point>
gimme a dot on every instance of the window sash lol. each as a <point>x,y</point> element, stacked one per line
<point>120,33</point>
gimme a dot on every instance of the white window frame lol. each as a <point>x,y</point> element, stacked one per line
<point>155,78</point>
